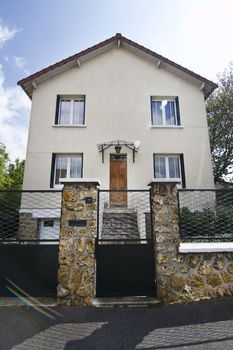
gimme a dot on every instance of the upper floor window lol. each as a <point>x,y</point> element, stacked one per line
<point>67,166</point>
<point>70,110</point>
<point>165,111</point>
<point>169,167</point>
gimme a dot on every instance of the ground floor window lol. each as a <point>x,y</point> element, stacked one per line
<point>169,167</point>
<point>67,166</point>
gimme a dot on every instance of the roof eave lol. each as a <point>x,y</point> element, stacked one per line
<point>27,83</point>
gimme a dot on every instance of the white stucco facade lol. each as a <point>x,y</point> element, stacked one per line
<point>118,85</point>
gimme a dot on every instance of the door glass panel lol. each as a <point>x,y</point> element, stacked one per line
<point>118,156</point>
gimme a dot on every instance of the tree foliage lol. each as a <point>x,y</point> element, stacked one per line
<point>11,174</point>
<point>220,119</point>
<point>4,160</point>
<point>15,173</point>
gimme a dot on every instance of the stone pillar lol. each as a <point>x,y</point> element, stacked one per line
<point>184,277</point>
<point>76,274</point>
<point>28,227</point>
<point>166,237</point>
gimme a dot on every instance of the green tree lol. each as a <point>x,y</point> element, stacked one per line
<point>11,178</point>
<point>11,174</point>
<point>15,173</point>
<point>220,119</point>
<point>4,161</point>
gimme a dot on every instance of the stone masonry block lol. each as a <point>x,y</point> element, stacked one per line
<point>76,256</point>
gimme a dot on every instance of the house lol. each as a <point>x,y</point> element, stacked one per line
<point>121,113</point>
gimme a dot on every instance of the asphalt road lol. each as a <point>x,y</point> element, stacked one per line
<point>197,326</point>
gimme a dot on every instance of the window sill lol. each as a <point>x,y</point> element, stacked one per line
<point>79,180</point>
<point>206,247</point>
<point>58,187</point>
<point>68,126</point>
<point>166,127</point>
<point>161,180</point>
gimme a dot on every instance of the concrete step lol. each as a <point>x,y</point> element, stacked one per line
<point>120,231</point>
<point>121,228</point>
<point>41,301</point>
<point>120,223</point>
<point>119,210</point>
<point>119,234</point>
<point>120,217</point>
<point>135,301</point>
<point>116,235</point>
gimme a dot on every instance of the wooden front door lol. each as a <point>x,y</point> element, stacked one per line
<point>118,179</point>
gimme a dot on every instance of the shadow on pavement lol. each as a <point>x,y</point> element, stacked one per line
<point>123,328</point>
<point>173,326</point>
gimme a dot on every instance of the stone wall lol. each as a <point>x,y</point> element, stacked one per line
<point>179,277</point>
<point>184,277</point>
<point>76,273</point>
<point>28,226</point>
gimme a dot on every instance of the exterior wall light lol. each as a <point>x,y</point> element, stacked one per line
<point>118,149</point>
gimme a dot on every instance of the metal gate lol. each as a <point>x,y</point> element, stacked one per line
<point>29,242</point>
<point>124,245</point>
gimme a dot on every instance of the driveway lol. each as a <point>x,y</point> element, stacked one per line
<point>203,325</point>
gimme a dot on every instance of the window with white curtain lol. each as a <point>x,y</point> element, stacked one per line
<point>167,167</point>
<point>71,111</point>
<point>67,167</point>
<point>164,111</point>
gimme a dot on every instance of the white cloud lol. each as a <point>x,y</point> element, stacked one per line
<point>14,115</point>
<point>19,62</point>
<point>7,34</point>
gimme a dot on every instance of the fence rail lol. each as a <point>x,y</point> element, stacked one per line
<point>29,216</point>
<point>206,215</point>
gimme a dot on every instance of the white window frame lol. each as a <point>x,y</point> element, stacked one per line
<point>71,118</point>
<point>167,178</point>
<point>155,99</point>
<point>69,156</point>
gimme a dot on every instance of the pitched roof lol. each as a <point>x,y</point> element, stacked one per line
<point>29,82</point>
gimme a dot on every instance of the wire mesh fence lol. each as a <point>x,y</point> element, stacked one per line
<point>206,215</point>
<point>29,216</point>
<point>124,215</point>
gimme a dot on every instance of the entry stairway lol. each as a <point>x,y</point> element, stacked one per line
<point>120,223</point>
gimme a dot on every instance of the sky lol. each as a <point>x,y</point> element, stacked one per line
<point>198,34</point>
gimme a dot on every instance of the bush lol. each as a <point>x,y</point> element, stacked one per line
<point>9,213</point>
<point>215,224</point>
